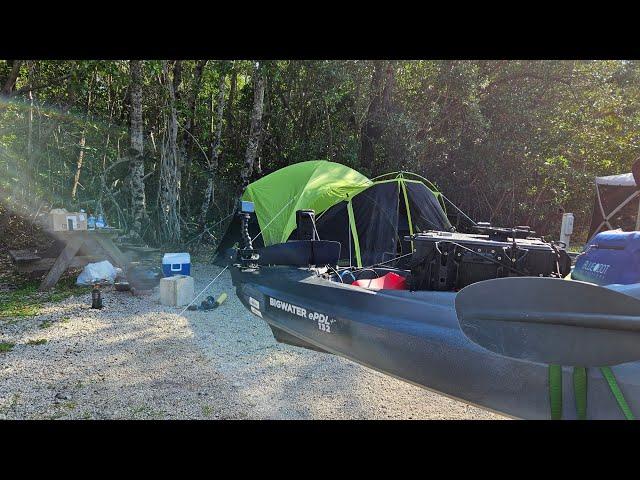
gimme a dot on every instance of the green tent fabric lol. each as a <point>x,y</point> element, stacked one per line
<point>316,184</point>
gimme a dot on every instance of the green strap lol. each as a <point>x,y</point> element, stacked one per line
<point>580,391</point>
<point>607,373</point>
<point>354,233</point>
<point>555,391</point>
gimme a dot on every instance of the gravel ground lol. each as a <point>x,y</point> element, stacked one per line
<point>137,359</point>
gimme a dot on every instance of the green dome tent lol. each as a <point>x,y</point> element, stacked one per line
<point>316,184</point>
<point>369,218</point>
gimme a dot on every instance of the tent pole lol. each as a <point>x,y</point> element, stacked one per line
<point>354,232</point>
<point>349,238</point>
<point>605,219</point>
<point>406,204</point>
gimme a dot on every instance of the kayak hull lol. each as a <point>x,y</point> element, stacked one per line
<point>415,336</point>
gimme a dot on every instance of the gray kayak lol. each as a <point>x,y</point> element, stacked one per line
<point>417,337</point>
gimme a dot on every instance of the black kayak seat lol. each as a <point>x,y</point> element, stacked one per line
<point>301,253</point>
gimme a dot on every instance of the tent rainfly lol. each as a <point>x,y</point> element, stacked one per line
<point>316,184</point>
<point>616,203</point>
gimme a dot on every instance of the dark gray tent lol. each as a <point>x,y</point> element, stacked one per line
<point>383,215</point>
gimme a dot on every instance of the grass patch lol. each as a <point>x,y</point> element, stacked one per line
<point>576,248</point>
<point>207,410</point>
<point>27,301</point>
<point>46,324</point>
<point>68,405</point>
<point>39,341</point>
<point>6,346</point>
<point>11,404</point>
<point>56,415</point>
<point>146,411</point>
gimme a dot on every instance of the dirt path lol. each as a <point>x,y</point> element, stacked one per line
<point>138,359</point>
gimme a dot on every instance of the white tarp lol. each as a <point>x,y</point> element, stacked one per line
<point>99,272</point>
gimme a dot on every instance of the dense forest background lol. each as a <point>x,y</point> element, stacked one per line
<point>165,147</point>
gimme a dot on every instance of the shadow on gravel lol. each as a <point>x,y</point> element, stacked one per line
<point>277,380</point>
<point>105,365</point>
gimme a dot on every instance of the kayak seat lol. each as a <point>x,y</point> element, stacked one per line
<point>301,253</point>
<point>390,281</point>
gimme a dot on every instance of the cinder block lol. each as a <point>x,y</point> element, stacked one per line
<point>176,291</point>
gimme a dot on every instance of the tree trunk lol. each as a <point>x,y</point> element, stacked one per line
<point>195,91</point>
<point>255,130</point>
<point>387,92</point>
<point>81,144</point>
<point>30,143</point>
<point>136,152</point>
<point>230,128</point>
<point>175,103</point>
<point>215,154</point>
<point>11,80</point>
<point>30,127</point>
<point>371,128</point>
<point>187,137</point>
<point>329,130</point>
<point>170,168</point>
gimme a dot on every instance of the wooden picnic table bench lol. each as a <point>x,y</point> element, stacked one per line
<point>138,249</point>
<point>23,256</point>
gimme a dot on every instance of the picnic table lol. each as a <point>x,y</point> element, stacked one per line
<point>140,250</point>
<point>75,248</point>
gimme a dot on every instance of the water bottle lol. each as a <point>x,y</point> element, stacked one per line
<point>96,298</point>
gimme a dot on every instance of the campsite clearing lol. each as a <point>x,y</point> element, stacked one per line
<point>137,359</point>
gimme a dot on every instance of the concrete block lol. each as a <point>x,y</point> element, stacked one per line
<point>176,291</point>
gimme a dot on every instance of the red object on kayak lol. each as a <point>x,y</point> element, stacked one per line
<point>391,281</point>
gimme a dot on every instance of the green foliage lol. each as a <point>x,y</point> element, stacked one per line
<point>6,346</point>
<point>512,142</point>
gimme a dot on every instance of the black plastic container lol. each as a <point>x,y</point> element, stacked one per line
<point>449,261</point>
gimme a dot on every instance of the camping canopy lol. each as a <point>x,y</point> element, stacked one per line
<point>616,203</point>
<point>316,184</point>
